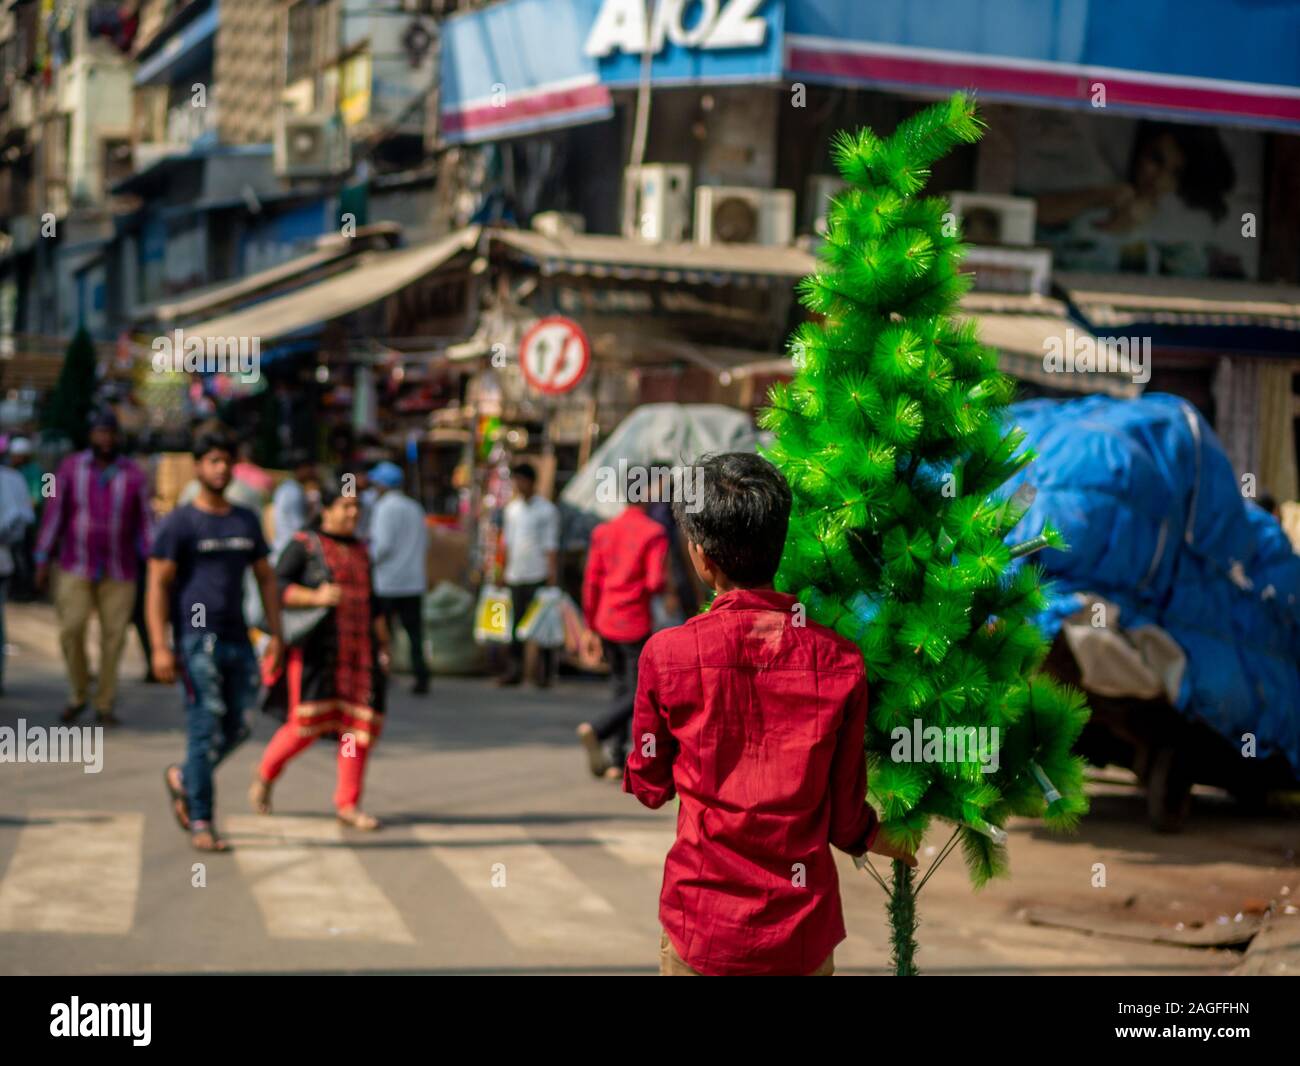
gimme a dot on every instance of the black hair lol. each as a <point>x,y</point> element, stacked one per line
<point>214,440</point>
<point>741,517</point>
<point>664,469</point>
<point>526,471</point>
<point>1207,175</point>
<point>331,491</point>
<point>1268,501</point>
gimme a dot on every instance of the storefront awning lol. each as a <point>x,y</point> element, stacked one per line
<point>1023,342</point>
<point>1021,329</point>
<point>1121,300</point>
<point>330,251</point>
<point>597,255</point>
<point>517,68</point>
<point>525,65</point>
<point>375,276</point>
<point>164,314</point>
<point>1216,60</point>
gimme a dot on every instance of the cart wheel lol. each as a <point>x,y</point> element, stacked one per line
<point>1169,792</point>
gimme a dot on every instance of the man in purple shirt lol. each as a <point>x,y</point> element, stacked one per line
<point>96,528</point>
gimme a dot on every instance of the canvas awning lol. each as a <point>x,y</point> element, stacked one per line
<point>374,276</point>
<point>1119,300</point>
<point>330,251</point>
<point>1020,327</point>
<point>599,255</point>
<point>246,288</point>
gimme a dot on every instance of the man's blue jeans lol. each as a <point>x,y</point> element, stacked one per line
<point>221,679</point>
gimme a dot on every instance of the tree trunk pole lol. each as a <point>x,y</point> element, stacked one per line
<point>902,921</point>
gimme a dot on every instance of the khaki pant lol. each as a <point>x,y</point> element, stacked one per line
<point>673,965</point>
<point>113,602</point>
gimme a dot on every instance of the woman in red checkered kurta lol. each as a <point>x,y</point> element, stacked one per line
<point>333,678</point>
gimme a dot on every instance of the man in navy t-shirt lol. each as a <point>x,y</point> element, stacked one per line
<point>196,581</point>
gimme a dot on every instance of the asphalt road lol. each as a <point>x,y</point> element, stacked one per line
<point>503,855</point>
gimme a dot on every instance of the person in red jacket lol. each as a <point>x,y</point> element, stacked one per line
<point>755,719</point>
<point>626,567</point>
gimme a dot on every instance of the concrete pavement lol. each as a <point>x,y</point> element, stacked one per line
<point>502,855</point>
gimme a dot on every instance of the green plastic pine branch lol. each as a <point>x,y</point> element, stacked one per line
<point>893,437</point>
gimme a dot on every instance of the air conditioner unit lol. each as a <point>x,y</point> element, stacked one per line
<point>989,219</point>
<point>657,202</point>
<point>310,146</point>
<point>822,189</point>
<point>730,214</point>
<point>299,97</point>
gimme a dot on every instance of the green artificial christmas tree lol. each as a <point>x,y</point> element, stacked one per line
<point>893,438</point>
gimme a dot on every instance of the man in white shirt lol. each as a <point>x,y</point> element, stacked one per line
<point>531,535</point>
<point>399,539</point>
<point>289,508</point>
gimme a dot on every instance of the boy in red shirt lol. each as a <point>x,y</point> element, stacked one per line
<point>626,566</point>
<point>756,720</point>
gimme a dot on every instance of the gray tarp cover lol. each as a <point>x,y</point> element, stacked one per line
<point>676,433</point>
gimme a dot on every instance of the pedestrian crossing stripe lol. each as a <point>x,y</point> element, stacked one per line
<point>646,848</point>
<point>73,872</point>
<point>309,887</point>
<point>534,898</point>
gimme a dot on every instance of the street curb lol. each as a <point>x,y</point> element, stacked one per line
<point>1275,951</point>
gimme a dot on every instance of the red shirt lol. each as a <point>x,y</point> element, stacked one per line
<point>758,725</point>
<point>625,567</point>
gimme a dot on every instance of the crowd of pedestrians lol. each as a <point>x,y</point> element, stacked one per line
<point>238,558</point>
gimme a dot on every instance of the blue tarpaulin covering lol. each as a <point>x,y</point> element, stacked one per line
<point>1157,523</point>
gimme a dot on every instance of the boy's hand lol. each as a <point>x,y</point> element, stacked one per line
<point>890,851</point>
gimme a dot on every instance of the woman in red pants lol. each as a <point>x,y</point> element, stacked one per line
<point>333,678</point>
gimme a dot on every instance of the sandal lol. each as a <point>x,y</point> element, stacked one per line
<point>355,819</point>
<point>204,838</point>
<point>259,795</point>
<point>180,801</point>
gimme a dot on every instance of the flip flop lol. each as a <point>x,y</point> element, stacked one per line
<point>355,819</point>
<point>180,801</point>
<point>259,796</point>
<point>206,839</point>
